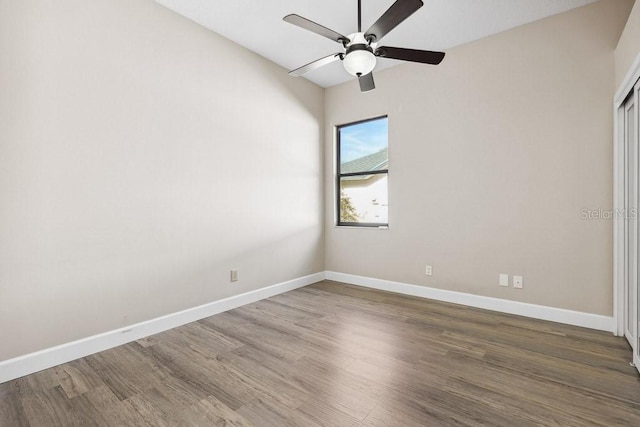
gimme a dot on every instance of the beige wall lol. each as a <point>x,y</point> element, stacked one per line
<point>629,45</point>
<point>493,155</point>
<point>143,157</point>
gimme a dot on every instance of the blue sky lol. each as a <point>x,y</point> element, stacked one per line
<point>363,139</point>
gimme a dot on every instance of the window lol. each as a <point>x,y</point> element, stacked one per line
<point>363,167</point>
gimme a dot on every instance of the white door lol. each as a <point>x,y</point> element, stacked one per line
<point>630,223</point>
<point>632,134</point>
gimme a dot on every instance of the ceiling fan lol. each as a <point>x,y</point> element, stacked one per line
<point>361,48</point>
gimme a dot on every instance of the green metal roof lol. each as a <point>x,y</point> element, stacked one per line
<point>373,162</point>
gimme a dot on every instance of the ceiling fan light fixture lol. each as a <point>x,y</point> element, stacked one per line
<point>359,62</point>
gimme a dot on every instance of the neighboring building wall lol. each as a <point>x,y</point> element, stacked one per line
<point>369,196</point>
<point>142,158</point>
<point>495,153</point>
<point>629,45</point>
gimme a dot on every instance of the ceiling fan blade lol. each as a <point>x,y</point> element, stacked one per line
<point>398,12</point>
<point>366,82</point>
<point>413,55</point>
<point>315,28</point>
<point>315,65</point>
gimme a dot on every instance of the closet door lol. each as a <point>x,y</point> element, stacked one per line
<point>632,133</point>
<point>630,222</point>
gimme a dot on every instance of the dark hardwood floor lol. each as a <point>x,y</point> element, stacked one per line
<point>338,355</point>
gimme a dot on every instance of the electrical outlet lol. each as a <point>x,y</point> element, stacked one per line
<point>503,280</point>
<point>428,271</point>
<point>234,275</point>
<point>518,282</point>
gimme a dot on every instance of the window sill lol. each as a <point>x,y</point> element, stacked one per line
<point>386,227</point>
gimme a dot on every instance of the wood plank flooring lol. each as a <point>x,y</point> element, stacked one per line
<point>337,355</point>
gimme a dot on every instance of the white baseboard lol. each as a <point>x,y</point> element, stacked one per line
<point>30,363</point>
<point>569,317</point>
<point>23,365</point>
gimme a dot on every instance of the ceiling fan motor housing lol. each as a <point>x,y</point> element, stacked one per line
<point>359,59</point>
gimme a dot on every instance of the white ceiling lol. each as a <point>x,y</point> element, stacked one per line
<point>438,25</point>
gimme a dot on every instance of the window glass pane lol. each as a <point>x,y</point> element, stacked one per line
<point>363,199</point>
<point>364,146</point>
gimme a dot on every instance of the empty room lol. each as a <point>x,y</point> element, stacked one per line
<point>319,213</point>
